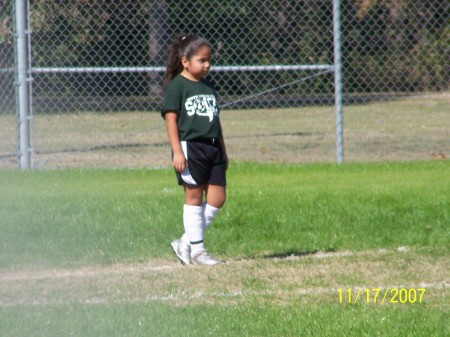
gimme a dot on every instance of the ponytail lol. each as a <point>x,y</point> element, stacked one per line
<point>182,45</point>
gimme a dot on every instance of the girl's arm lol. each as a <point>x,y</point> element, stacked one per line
<point>224,149</point>
<point>179,161</point>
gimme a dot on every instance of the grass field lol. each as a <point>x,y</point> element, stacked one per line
<point>407,128</point>
<point>86,253</point>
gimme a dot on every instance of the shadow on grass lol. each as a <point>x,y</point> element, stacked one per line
<point>296,253</point>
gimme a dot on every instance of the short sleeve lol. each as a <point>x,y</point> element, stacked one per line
<point>171,99</point>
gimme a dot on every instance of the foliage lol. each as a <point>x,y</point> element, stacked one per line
<point>399,45</point>
<point>388,45</point>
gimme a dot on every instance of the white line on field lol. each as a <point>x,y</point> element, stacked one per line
<point>297,292</point>
<point>177,297</point>
<point>121,268</point>
<point>84,272</point>
<point>33,275</point>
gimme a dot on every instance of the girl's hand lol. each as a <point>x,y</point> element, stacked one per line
<point>179,162</point>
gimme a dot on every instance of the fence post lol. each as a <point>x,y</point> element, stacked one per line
<point>23,87</point>
<point>338,81</point>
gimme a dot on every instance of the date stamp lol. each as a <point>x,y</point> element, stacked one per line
<point>379,295</point>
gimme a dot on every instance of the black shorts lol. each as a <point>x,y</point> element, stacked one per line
<point>206,163</point>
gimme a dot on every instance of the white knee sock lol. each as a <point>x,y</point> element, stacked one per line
<point>185,238</point>
<point>209,213</point>
<point>193,225</point>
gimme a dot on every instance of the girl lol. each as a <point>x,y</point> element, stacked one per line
<point>191,112</point>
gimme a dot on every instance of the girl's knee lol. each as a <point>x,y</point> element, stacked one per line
<point>193,195</point>
<point>219,203</point>
<point>216,199</point>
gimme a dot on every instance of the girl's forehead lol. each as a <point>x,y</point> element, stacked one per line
<point>203,50</point>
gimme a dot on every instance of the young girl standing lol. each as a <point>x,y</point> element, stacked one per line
<point>191,113</point>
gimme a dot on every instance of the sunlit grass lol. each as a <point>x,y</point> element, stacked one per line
<point>86,252</point>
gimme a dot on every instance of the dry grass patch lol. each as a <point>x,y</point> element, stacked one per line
<point>283,280</point>
<point>411,128</point>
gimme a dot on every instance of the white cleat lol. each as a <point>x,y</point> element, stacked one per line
<point>202,258</point>
<point>182,250</point>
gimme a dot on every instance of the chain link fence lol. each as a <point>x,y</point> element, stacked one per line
<point>8,138</point>
<point>97,68</point>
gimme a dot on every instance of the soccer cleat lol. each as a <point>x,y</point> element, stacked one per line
<point>204,259</point>
<point>182,250</point>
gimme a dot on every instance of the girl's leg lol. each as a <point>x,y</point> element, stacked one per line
<point>215,195</point>
<point>215,198</point>
<point>194,225</point>
<point>193,195</point>
<point>193,219</point>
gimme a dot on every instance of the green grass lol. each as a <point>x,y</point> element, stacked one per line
<point>330,320</point>
<point>304,208</point>
<point>91,223</point>
<point>79,217</point>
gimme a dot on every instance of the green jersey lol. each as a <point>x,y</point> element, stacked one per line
<point>196,106</point>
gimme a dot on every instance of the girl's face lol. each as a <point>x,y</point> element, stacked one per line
<point>198,65</point>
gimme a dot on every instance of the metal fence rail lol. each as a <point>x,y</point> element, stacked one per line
<point>95,70</point>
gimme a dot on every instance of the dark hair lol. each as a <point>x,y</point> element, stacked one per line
<point>183,45</point>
